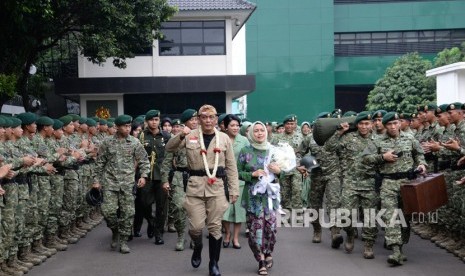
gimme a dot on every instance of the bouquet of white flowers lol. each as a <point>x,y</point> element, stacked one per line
<point>284,156</point>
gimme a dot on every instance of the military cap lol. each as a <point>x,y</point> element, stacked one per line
<point>274,124</point>
<point>280,125</point>
<point>455,106</point>
<point>441,109</point>
<point>414,116</point>
<point>111,120</point>
<point>176,122</point>
<point>187,114</point>
<point>110,124</point>
<point>324,115</point>
<point>427,107</point>
<point>3,122</point>
<point>220,118</point>
<point>378,114</point>
<point>123,119</point>
<point>27,118</point>
<point>7,120</point>
<point>83,120</point>
<point>268,123</point>
<point>139,120</point>
<point>151,114</point>
<point>75,117</point>
<point>95,118</point>
<point>57,124</point>
<point>66,120</point>
<point>336,111</point>
<point>405,116</point>
<point>166,119</point>
<point>103,122</point>
<point>91,122</point>
<point>350,114</point>
<point>44,121</point>
<point>290,118</point>
<point>390,116</point>
<point>305,123</point>
<point>365,115</point>
<point>15,122</point>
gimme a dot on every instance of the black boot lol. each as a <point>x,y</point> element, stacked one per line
<point>196,259</point>
<point>215,249</point>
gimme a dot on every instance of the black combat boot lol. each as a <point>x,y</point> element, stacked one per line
<point>215,249</point>
<point>196,259</point>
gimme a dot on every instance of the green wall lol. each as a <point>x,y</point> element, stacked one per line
<point>290,49</point>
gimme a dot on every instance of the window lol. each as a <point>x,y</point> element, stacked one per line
<point>394,43</point>
<point>193,38</point>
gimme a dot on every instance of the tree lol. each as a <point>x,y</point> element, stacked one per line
<point>102,29</point>
<point>403,86</point>
<point>449,56</point>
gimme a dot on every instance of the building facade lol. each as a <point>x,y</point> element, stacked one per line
<point>314,56</point>
<point>201,59</point>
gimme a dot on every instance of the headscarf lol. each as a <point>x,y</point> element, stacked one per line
<point>253,142</point>
<point>243,129</point>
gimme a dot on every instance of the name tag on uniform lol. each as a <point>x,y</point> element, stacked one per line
<point>193,140</point>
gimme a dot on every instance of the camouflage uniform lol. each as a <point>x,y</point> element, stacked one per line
<point>358,189</point>
<point>115,171</point>
<point>395,235</point>
<point>458,202</point>
<point>291,182</point>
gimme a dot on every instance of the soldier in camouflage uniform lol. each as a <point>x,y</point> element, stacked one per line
<point>457,145</point>
<point>358,189</point>
<point>416,125</point>
<point>291,182</point>
<point>395,168</point>
<point>446,164</point>
<point>114,174</point>
<point>177,163</point>
<point>325,183</point>
<point>378,126</point>
<point>405,119</point>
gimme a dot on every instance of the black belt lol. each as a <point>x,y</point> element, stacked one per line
<point>449,164</point>
<point>399,175</point>
<point>21,179</point>
<point>178,169</point>
<point>219,173</point>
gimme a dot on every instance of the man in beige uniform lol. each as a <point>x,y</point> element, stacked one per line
<point>211,161</point>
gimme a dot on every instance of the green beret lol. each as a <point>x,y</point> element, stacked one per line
<point>221,117</point>
<point>290,118</point>
<point>243,129</point>
<point>282,125</point>
<point>274,124</point>
<point>324,115</point>
<point>3,123</point>
<point>414,116</point>
<point>350,114</point>
<point>75,117</point>
<point>91,122</point>
<point>151,114</point>
<point>405,116</point>
<point>44,121</point>
<point>176,122</point>
<point>123,120</point>
<point>15,122</point>
<point>189,113</point>
<point>57,124</point>
<point>110,124</point>
<point>83,120</point>
<point>455,106</point>
<point>7,120</point>
<point>139,120</point>
<point>95,118</point>
<point>390,116</point>
<point>378,114</point>
<point>111,120</point>
<point>66,120</point>
<point>27,118</point>
<point>103,122</point>
<point>441,109</point>
<point>428,107</point>
<point>365,115</point>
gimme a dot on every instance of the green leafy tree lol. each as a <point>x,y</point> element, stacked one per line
<point>403,86</point>
<point>102,29</point>
<point>449,56</point>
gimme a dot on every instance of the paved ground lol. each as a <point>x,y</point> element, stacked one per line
<point>294,255</point>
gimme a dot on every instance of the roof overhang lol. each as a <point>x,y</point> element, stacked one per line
<point>233,85</point>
